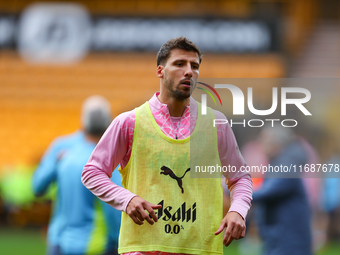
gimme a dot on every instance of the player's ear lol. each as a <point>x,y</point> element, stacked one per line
<point>159,71</point>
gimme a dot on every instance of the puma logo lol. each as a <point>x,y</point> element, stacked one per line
<point>168,171</point>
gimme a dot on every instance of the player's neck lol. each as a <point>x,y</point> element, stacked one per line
<point>176,107</point>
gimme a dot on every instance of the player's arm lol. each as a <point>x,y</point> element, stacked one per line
<point>109,152</point>
<point>239,184</point>
<point>45,173</point>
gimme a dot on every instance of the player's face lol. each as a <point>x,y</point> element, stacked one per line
<point>180,73</point>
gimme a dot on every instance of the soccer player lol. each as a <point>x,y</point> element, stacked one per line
<point>152,145</point>
<point>81,223</point>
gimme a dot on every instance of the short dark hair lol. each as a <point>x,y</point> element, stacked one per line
<point>177,43</point>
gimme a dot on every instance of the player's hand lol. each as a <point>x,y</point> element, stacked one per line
<point>137,208</point>
<point>236,227</point>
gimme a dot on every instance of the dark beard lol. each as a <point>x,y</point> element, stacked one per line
<point>177,94</point>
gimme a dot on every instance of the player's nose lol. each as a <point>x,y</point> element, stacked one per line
<point>188,70</point>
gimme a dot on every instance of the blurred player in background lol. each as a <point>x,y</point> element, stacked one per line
<point>281,205</point>
<point>81,223</point>
<point>152,144</point>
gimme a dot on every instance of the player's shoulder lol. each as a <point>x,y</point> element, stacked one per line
<point>125,119</point>
<point>218,114</point>
<point>80,151</point>
<point>68,139</point>
<point>125,115</point>
<point>223,122</point>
